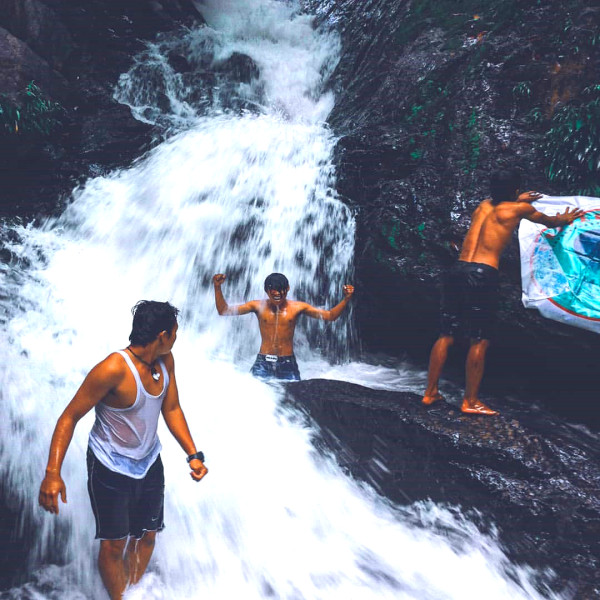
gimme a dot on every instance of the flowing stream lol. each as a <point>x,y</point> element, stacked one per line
<point>242,184</point>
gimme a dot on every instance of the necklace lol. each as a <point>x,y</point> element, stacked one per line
<point>155,374</point>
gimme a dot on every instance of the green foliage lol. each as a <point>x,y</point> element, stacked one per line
<point>391,233</point>
<point>574,37</point>
<point>426,117</point>
<point>572,145</point>
<point>535,116</point>
<point>429,120</point>
<point>521,91</point>
<point>397,234</point>
<point>32,113</point>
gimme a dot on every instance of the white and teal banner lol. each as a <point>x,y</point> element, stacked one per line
<point>560,268</point>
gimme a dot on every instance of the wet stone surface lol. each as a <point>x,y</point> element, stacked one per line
<point>538,480</point>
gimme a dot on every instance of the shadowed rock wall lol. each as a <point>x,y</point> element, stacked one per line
<point>432,96</point>
<point>74,51</point>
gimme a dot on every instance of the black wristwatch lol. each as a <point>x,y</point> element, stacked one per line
<point>199,455</point>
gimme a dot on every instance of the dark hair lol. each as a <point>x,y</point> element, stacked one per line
<point>149,319</point>
<point>503,185</point>
<point>276,281</point>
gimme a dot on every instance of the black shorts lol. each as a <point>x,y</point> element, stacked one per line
<point>124,506</point>
<point>268,366</point>
<point>469,301</point>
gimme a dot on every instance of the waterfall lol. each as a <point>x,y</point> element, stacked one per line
<point>241,183</point>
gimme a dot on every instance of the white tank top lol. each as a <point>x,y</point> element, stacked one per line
<point>125,440</point>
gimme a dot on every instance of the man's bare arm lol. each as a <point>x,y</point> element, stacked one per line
<point>177,424</point>
<point>223,308</point>
<point>98,383</point>
<point>558,220</point>
<point>333,313</point>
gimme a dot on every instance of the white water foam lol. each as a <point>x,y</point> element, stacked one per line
<point>244,193</point>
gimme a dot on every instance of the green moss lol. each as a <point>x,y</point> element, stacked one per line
<point>31,113</point>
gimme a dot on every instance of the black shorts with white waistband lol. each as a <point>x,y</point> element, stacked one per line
<point>124,506</point>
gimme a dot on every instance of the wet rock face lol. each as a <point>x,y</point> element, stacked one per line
<point>39,27</point>
<point>19,65</point>
<point>239,67</point>
<point>75,52</point>
<point>536,479</point>
<point>430,99</point>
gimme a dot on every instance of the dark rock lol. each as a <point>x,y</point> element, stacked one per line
<point>15,545</point>
<point>226,77</point>
<point>39,27</point>
<point>179,63</point>
<point>19,65</point>
<point>90,44</point>
<point>536,479</point>
<point>111,136</point>
<point>238,67</point>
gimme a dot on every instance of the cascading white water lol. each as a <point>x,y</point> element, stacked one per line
<point>244,192</point>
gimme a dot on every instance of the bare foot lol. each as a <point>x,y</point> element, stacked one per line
<point>430,399</point>
<point>477,408</point>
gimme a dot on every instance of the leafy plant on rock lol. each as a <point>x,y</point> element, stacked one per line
<point>31,113</point>
<point>522,90</point>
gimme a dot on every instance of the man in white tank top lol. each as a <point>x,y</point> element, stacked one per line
<point>128,389</point>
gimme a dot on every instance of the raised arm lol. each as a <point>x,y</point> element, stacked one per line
<point>223,308</point>
<point>177,424</point>
<point>99,382</point>
<point>333,313</point>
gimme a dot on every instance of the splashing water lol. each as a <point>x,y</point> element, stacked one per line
<point>243,184</point>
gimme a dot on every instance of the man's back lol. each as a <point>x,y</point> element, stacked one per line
<point>490,231</point>
<point>472,238</point>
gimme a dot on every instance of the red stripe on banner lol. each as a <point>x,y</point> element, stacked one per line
<point>571,312</point>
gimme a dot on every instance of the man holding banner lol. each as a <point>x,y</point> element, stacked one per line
<point>470,288</point>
